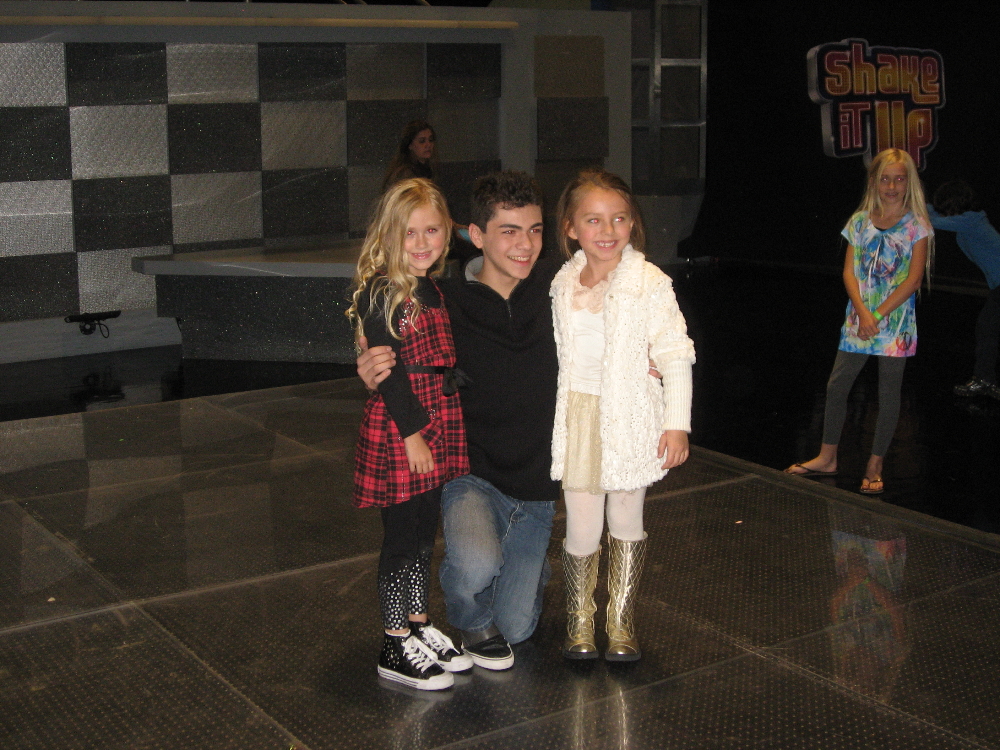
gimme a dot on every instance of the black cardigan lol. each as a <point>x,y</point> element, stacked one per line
<point>400,401</point>
<point>507,348</point>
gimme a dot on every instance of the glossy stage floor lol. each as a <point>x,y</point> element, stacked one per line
<point>191,574</point>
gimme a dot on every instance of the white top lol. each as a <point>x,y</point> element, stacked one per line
<point>588,352</point>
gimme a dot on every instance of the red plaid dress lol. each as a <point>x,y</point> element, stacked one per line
<point>381,472</point>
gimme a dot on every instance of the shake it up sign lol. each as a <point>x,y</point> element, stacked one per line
<point>874,98</point>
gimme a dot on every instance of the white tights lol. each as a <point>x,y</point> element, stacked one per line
<point>585,519</point>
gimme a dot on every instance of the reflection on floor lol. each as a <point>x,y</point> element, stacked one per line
<point>191,574</point>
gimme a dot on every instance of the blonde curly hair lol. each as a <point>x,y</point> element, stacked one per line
<point>382,271</point>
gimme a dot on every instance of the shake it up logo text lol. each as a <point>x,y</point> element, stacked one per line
<point>875,98</point>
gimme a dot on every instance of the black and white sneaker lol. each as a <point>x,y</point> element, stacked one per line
<point>488,648</point>
<point>451,657</point>
<point>405,659</point>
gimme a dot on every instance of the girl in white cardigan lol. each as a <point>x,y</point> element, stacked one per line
<point>617,428</point>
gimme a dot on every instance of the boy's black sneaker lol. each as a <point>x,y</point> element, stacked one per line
<point>978,387</point>
<point>451,657</point>
<point>405,659</point>
<point>488,648</point>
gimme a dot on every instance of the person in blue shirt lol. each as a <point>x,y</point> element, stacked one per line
<point>956,209</point>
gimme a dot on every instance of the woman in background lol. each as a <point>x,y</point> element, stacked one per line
<point>414,155</point>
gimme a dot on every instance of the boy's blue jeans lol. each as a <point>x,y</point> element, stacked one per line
<point>494,569</point>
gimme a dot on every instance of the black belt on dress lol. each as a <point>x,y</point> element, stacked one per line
<point>453,377</point>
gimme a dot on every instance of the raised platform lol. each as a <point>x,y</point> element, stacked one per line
<point>191,574</point>
<point>261,304</point>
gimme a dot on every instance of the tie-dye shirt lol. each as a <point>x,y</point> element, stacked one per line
<point>882,263</point>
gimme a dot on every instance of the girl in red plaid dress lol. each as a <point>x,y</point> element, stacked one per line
<point>412,438</point>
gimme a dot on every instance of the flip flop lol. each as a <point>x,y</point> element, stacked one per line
<point>866,484</point>
<point>808,472</point>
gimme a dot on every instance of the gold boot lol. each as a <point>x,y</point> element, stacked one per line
<point>624,571</point>
<point>581,580</point>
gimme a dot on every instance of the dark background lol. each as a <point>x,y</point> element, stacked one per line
<point>772,194</point>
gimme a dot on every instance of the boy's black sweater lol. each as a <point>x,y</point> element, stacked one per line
<point>507,348</point>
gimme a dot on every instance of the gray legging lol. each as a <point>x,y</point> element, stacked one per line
<point>846,367</point>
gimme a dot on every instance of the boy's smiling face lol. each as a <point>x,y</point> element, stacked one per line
<point>511,244</point>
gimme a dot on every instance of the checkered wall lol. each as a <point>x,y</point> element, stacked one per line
<point>112,151</point>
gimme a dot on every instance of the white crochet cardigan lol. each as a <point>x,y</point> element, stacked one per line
<point>641,322</point>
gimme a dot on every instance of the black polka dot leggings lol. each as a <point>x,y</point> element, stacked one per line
<point>404,569</point>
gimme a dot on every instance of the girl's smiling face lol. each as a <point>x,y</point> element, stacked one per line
<point>892,184</point>
<point>424,241</point>
<point>602,224</point>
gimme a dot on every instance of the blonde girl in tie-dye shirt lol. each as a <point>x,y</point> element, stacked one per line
<point>890,244</point>
<point>880,262</point>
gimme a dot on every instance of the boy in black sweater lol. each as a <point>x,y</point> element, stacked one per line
<point>498,519</point>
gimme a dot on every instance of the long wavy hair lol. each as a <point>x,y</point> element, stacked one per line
<point>913,201</point>
<point>382,271</point>
<point>592,179</point>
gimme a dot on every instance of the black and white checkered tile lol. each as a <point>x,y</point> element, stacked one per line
<point>111,151</point>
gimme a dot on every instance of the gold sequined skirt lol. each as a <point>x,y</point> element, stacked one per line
<point>583,444</point>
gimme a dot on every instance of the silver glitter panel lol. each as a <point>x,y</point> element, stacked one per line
<point>107,281</point>
<point>119,141</point>
<point>36,144</point>
<point>36,217</point>
<point>569,66</point>
<point>463,72</point>
<point>466,131</point>
<point>553,176</point>
<point>301,135</point>
<point>456,178</point>
<point>373,128</point>
<point>572,128</point>
<point>38,286</point>
<point>364,187</point>
<point>214,207</point>
<point>32,75</point>
<point>203,73</point>
<point>277,318</point>
<point>385,71</point>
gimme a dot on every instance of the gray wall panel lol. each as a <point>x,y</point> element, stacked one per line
<point>36,217</point>
<point>213,207</point>
<point>201,73</point>
<point>466,131</point>
<point>385,71</point>
<point>107,281</point>
<point>301,135</point>
<point>32,75</point>
<point>118,141</point>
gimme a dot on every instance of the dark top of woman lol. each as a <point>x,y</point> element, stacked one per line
<point>405,171</point>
